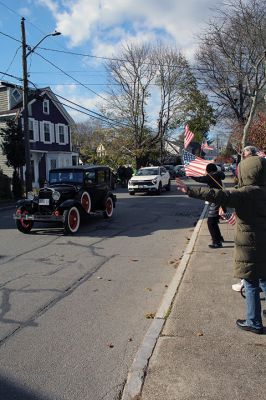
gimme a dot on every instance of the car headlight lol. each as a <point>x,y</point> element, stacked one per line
<point>56,195</point>
<point>130,182</point>
<point>154,181</point>
<point>30,196</point>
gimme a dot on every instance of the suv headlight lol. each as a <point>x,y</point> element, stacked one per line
<point>56,195</point>
<point>154,181</point>
<point>30,196</point>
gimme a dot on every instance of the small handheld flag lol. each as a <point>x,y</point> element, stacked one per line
<point>193,165</point>
<point>229,217</point>
<point>188,136</point>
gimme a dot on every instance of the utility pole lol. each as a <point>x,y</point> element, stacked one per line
<point>26,51</point>
<point>28,174</point>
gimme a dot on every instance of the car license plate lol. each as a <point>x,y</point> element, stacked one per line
<point>141,186</point>
<point>44,202</point>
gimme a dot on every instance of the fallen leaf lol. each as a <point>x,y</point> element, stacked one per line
<point>148,288</point>
<point>165,285</point>
<point>99,277</point>
<point>130,339</point>
<point>150,315</point>
<point>132,259</point>
<point>110,345</point>
<point>200,334</point>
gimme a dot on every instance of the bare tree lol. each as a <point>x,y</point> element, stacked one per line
<point>141,77</point>
<point>130,77</point>
<point>231,60</point>
<point>172,81</point>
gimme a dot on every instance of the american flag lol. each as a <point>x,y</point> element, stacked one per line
<point>205,146</point>
<point>188,136</point>
<point>229,217</point>
<point>193,165</point>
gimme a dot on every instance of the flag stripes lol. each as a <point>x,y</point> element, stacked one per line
<point>229,217</point>
<point>188,136</point>
<point>193,165</point>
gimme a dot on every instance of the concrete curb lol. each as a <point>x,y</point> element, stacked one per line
<point>137,371</point>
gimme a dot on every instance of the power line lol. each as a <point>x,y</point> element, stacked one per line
<point>11,62</point>
<point>19,15</point>
<point>9,36</point>
<point>74,79</point>
<point>94,112</point>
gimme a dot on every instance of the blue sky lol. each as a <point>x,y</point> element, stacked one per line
<point>97,28</point>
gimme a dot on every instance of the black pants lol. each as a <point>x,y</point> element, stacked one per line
<point>214,229</point>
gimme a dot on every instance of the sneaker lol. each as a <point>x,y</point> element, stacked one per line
<point>238,286</point>
<point>216,245</point>
<point>242,324</point>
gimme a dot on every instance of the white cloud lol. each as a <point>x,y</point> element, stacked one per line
<point>104,21</point>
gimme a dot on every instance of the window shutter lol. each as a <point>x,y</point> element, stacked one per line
<point>56,133</point>
<point>41,132</point>
<point>52,133</point>
<point>66,134</point>
<point>36,131</point>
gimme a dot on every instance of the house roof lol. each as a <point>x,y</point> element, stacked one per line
<point>33,93</point>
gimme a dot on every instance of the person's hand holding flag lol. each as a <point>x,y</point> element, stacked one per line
<point>180,185</point>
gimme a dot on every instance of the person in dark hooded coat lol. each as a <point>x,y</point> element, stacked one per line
<point>213,179</point>
<point>249,201</point>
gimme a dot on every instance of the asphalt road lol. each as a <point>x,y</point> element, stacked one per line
<point>74,309</point>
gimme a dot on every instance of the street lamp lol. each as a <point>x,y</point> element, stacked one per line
<point>25,54</point>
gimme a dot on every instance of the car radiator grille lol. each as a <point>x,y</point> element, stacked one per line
<point>147,183</point>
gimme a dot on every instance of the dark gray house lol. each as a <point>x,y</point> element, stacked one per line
<point>50,128</point>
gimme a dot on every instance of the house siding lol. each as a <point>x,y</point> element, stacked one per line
<point>3,99</point>
<point>58,148</point>
<point>55,117</point>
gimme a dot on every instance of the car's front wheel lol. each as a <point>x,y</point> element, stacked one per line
<point>109,207</point>
<point>72,220</point>
<point>24,225</point>
<point>131,193</point>
<point>168,186</point>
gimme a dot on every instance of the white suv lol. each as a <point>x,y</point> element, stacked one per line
<point>149,179</point>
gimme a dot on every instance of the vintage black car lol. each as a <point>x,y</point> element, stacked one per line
<point>72,193</point>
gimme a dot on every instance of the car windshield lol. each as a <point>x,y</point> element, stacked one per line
<point>66,177</point>
<point>147,171</point>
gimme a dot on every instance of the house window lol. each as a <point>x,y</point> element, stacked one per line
<point>31,130</point>
<point>53,164</point>
<point>61,132</point>
<point>16,94</point>
<point>46,129</point>
<point>46,107</point>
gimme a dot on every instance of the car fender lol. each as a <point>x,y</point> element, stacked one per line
<point>25,203</point>
<point>70,203</point>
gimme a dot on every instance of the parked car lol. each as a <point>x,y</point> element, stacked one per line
<point>171,170</point>
<point>72,194</point>
<point>149,180</point>
<point>180,171</point>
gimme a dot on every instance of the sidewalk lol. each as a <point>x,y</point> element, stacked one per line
<point>200,353</point>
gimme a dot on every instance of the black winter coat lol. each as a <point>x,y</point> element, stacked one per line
<point>249,201</point>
